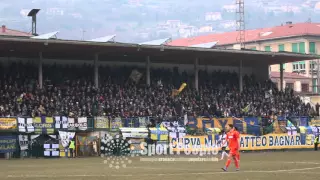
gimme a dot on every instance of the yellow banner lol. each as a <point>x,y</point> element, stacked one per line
<point>43,125</point>
<point>8,124</point>
<point>101,123</point>
<point>247,142</point>
<point>314,122</point>
<point>159,134</point>
<point>274,141</point>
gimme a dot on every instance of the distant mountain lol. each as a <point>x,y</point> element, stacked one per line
<point>142,20</point>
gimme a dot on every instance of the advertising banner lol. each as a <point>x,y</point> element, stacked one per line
<point>273,141</point>
<point>134,132</point>
<point>8,124</point>
<point>247,142</point>
<point>8,144</point>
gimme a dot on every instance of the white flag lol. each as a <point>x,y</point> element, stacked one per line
<point>25,125</point>
<point>23,142</point>
<point>66,137</point>
<point>61,122</point>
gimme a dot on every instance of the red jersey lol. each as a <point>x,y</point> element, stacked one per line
<point>233,139</point>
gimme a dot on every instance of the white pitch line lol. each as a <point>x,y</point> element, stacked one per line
<point>167,174</point>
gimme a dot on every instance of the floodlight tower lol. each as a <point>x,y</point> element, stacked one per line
<point>33,13</point>
<point>240,23</point>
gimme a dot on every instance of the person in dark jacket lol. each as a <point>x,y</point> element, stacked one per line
<point>316,143</point>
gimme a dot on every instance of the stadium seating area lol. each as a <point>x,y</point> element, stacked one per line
<point>69,90</point>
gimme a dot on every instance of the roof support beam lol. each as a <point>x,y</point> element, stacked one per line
<point>240,76</point>
<point>281,76</point>
<point>40,77</point>
<point>196,74</point>
<point>148,70</point>
<point>96,71</point>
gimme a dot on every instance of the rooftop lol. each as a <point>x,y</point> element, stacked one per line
<point>278,32</point>
<point>14,33</point>
<point>112,51</point>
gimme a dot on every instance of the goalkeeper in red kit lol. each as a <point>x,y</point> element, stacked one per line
<point>233,137</point>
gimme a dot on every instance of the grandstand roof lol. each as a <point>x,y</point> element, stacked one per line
<point>10,32</point>
<point>263,34</point>
<point>84,50</point>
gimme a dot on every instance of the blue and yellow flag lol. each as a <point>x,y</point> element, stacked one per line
<point>253,126</point>
<point>159,134</point>
<point>43,125</point>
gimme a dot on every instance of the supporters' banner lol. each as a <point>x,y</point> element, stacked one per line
<point>176,129</point>
<point>61,122</point>
<point>101,123</point>
<point>176,92</point>
<point>116,123</point>
<point>316,130</point>
<point>79,123</point>
<point>291,130</point>
<point>8,144</point>
<point>210,131</point>
<point>203,123</point>
<point>193,143</point>
<point>273,141</point>
<point>43,125</point>
<point>309,139</point>
<point>23,142</point>
<point>282,121</point>
<point>253,126</point>
<point>304,121</point>
<point>65,137</point>
<point>143,122</point>
<point>134,132</point>
<point>159,134</point>
<point>299,121</point>
<point>305,130</point>
<point>25,125</point>
<point>315,122</point>
<point>54,136</point>
<point>8,124</point>
<point>51,150</point>
<point>131,122</point>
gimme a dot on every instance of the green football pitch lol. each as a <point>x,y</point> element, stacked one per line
<point>293,165</point>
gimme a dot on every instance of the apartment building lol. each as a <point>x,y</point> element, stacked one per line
<point>288,37</point>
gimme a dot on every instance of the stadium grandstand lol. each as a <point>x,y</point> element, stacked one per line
<point>162,108</point>
<point>43,75</point>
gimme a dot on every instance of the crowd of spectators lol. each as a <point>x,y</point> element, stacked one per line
<point>69,90</point>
